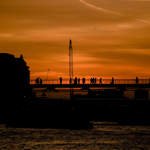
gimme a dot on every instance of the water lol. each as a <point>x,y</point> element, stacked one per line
<point>104,136</point>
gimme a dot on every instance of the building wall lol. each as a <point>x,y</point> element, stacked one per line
<point>14,80</point>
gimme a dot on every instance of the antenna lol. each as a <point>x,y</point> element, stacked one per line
<point>70,61</point>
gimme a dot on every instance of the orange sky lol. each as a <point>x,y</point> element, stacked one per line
<point>110,38</point>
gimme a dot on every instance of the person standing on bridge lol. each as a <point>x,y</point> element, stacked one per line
<point>60,79</point>
<point>91,81</point>
<point>78,80</point>
<point>75,81</point>
<point>38,80</point>
<point>83,80</point>
<point>100,80</point>
<point>95,80</point>
<point>112,80</point>
<point>137,80</point>
<point>41,81</point>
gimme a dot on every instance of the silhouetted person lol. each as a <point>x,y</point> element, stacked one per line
<point>95,80</point>
<point>101,81</point>
<point>137,80</point>
<point>83,80</point>
<point>112,80</point>
<point>37,80</point>
<point>78,80</point>
<point>91,81</point>
<point>41,81</point>
<point>75,81</point>
<point>60,79</point>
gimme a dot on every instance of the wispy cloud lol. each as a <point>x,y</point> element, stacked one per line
<point>144,21</point>
<point>100,9</point>
<point>107,11</point>
<point>109,37</point>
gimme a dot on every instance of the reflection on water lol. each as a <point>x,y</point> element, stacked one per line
<point>104,136</point>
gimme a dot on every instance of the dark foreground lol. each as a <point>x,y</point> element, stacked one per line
<point>76,114</point>
<point>103,136</point>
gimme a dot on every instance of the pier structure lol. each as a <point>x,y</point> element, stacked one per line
<point>106,83</point>
<point>96,82</point>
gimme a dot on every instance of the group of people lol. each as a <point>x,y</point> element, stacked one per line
<point>38,81</point>
<point>78,80</point>
<point>93,80</point>
<point>83,80</point>
<point>73,81</point>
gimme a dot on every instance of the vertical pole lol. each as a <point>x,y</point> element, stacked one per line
<point>70,62</point>
<point>71,68</point>
<point>47,74</point>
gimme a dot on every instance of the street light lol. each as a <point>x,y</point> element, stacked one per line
<point>47,74</point>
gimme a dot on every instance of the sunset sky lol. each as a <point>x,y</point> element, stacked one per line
<point>110,37</point>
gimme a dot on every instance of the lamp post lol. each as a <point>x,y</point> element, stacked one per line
<point>47,74</point>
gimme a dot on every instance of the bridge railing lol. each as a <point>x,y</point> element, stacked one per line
<point>88,81</point>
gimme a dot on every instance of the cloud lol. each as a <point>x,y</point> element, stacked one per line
<point>111,35</point>
<point>99,8</point>
<point>144,21</point>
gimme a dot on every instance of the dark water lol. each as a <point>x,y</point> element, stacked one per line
<point>104,136</point>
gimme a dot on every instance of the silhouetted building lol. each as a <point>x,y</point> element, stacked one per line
<point>14,81</point>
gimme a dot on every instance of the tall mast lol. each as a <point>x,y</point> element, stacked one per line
<point>70,61</point>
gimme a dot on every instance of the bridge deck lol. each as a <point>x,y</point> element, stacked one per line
<point>90,86</point>
<point>103,83</point>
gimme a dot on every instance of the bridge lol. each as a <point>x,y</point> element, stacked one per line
<point>88,83</point>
